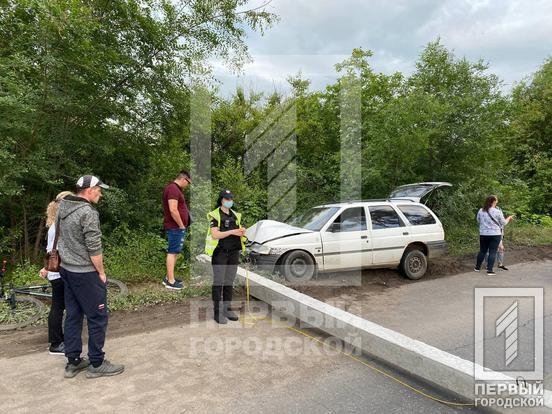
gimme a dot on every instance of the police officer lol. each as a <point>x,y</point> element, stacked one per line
<point>225,238</point>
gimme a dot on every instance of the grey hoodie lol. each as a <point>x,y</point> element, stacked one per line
<point>79,234</point>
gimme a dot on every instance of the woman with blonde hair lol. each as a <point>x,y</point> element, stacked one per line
<point>55,317</point>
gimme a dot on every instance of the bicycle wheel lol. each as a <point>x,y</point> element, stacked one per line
<point>116,288</point>
<point>27,310</point>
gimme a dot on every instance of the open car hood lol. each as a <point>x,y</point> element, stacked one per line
<point>267,230</point>
<point>417,191</point>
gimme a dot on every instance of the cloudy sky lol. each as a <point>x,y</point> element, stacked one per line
<point>514,37</point>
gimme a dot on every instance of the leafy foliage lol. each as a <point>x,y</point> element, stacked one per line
<point>529,146</point>
<point>104,87</point>
<point>100,87</point>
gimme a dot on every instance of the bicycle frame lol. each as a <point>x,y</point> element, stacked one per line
<point>38,291</point>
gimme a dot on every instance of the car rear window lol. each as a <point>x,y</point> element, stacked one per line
<point>417,215</point>
<point>384,217</point>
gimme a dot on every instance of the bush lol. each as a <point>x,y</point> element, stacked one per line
<point>457,209</point>
<point>137,256</point>
<point>523,234</point>
<point>24,274</point>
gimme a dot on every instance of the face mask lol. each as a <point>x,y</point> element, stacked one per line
<point>228,204</point>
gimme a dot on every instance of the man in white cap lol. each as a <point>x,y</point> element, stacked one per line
<point>82,271</point>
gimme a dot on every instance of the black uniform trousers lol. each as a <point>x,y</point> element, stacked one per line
<point>225,267</point>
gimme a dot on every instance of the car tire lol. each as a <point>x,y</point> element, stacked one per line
<point>298,267</point>
<point>414,264</point>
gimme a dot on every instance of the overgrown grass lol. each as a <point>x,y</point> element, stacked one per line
<point>139,256</point>
<point>137,300</point>
<point>25,274</point>
<point>465,239</point>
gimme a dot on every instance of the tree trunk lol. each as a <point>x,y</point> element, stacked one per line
<point>12,235</point>
<point>38,239</point>
<point>25,233</point>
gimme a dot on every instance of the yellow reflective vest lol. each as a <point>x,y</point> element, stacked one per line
<point>210,243</point>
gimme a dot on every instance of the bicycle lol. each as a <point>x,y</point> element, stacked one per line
<point>17,311</point>
<point>19,306</point>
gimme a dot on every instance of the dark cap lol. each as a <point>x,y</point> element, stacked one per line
<point>226,194</point>
<point>89,181</point>
<point>186,175</point>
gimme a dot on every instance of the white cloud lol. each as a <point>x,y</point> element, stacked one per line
<point>270,72</point>
<point>515,37</point>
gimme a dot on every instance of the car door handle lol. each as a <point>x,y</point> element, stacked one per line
<point>405,233</point>
<point>363,237</point>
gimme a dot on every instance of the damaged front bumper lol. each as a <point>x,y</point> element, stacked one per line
<point>262,256</point>
<point>263,261</point>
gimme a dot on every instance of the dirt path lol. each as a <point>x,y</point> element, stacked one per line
<point>152,318</point>
<point>207,368</point>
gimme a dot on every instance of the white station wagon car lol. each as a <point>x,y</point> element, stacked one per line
<point>398,231</point>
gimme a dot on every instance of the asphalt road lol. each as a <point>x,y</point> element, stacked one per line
<point>206,369</point>
<point>440,312</point>
<point>201,367</point>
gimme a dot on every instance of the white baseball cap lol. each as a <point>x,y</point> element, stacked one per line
<point>89,181</point>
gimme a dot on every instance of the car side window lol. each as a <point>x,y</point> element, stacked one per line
<point>417,215</point>
<point>384,217</point>
<point>352,219</point>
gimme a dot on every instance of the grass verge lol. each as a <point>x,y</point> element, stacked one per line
<point>465,239</point>
<point>155,296</point>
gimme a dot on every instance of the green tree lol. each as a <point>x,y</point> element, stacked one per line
<point>445,122</point>
<point>96,86</point>
<point>530,143</point>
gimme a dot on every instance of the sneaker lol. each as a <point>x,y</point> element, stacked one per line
<point>107,369</point>
<point>71,370</point>
<point>503,267</point>
<point>476,269</point>
<point>57,350</point>
<point>176,279</point>
<point>490,273</point>
<point>177,285</point>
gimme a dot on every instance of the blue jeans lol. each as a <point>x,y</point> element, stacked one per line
<point>175,239</point>
<point>488,244</point>
<point>499,254</point>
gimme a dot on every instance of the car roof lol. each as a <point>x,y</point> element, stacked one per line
<point>376,201</point>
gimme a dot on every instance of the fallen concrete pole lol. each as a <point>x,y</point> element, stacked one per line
<point>418,358</point>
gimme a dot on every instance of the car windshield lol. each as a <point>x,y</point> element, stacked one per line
<point>410,191</point>
<point>313,219</point>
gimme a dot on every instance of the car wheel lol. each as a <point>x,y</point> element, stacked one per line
<point>298,266</point>
<point>414,264</point>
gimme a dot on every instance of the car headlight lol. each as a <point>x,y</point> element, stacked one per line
<point>264,249</point>
<point>259,248</point>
